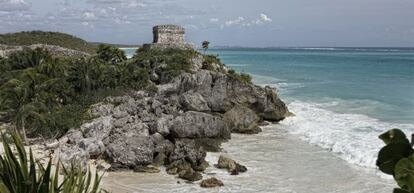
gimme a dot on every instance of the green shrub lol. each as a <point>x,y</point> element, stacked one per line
<point>175,60</point>
<point>20,173</point>
<point>110,54</point>
<point>242,77</point>
<point>397,159</point>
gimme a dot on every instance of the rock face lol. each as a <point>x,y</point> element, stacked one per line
<point>193,112</point>
<point>193,124</point>
<point>242,120</point>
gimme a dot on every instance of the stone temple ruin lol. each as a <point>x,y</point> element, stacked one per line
<point>168,36</point>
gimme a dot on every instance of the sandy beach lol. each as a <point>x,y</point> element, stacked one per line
<point>276,162</point>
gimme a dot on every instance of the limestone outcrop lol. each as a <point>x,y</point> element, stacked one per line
<point>174,126</point>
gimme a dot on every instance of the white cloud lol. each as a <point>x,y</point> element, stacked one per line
<point>237,21</point>
<point>241,21</point>
<point>214,20</point>
<point>14,5</point>
<point>89,16</point>
<point>265,18</point>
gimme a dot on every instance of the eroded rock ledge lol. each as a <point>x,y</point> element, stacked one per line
<point>175,125</point>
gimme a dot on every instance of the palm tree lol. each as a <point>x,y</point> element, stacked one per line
<point>205,45</point>
<point>28,58</point>
<point>15,95</point>
<point>82,75</point>
<point>110,54</point>
<point>30,111</point>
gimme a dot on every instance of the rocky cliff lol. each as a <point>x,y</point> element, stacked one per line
<point>175,125</point>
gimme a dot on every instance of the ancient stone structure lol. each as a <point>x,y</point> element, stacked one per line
<point>168,36</point>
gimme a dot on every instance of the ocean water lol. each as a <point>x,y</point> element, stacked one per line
<point>343,98</point>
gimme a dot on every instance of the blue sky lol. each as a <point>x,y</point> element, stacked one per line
<point>386,23</point>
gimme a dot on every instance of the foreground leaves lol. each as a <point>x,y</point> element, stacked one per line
<point>397,159</point>
<point>22,174</point>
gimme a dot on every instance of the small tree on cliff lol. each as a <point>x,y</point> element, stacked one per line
<point>205,45</point>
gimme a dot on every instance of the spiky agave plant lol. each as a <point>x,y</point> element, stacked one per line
<point>22,174</point>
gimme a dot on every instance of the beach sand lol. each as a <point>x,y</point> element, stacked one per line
<point>276,162</point>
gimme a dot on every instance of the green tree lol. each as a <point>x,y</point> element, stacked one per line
<point>110,54</point>
<point>28,58</point>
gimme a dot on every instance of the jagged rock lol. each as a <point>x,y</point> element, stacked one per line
<point>102,109</point>
<point>74,136</point>
<point>157,138</point>
<point>75,156</point>
<point>166,147</point>
<point>242,120</point>
<point>159,159</point>
<point>211,183</point>
<point>222,92</point>
<point>187,149</point>
<point>190,175</point>
<point>197,63</point>
<point>273,109</point>
<point>119,112</point>
<point>194,102</point>
<point>163,125</point>
<point>202,166</point>
<point>178,166</point>
<point>131,151</point>
<point>232,166</point>
<point>93,146</point>
<point>146,169</point>
<point>199,125</point>
<point>99,128</point>
<point>210,144</point>
<point>130,146</point>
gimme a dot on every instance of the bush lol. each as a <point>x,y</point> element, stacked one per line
<point>242,77</point>
<point>47,96</point>
<point>20,173</point>
<point>175,60</point>
<point>397,159</point>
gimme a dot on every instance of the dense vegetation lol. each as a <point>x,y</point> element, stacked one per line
<point>20,173</point>
<point>397,159</point>
<point>50,38</point>
<point>42,95</point>
<point>47,96</point>
<point>242,77</point>
<point>177,60</point>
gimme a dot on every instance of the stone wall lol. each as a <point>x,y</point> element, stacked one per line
<point>168,34</point>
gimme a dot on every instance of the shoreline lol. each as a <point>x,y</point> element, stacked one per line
<point>282,163</point>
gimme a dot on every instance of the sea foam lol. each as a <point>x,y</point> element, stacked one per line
<point>353,137</point>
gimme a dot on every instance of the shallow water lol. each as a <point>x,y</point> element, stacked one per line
<point>277,162</point>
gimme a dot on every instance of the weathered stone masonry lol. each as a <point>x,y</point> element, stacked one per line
<point>168,36</point>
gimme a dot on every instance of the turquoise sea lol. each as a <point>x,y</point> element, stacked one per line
<point>343,98</point>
